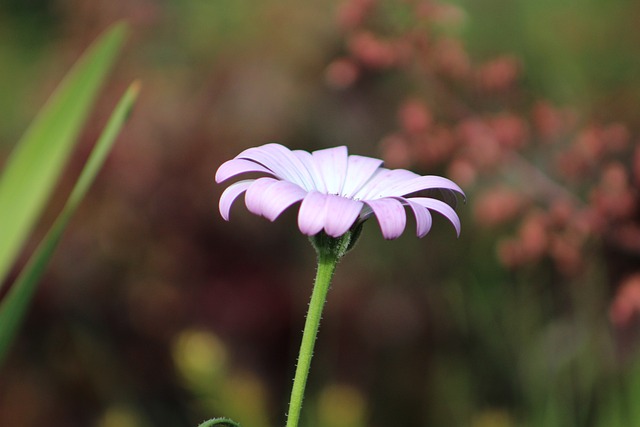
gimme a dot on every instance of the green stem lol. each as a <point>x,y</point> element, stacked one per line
<point>327,260</point>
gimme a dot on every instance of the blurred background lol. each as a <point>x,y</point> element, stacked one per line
<point>156,312</point>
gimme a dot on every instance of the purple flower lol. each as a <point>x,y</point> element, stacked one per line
<point>337,190</point>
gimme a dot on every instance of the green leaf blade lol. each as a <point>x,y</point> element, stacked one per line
<point>34,166</point>
<point>14,306</point>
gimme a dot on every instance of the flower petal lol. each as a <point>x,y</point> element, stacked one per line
<point>391,216</point>
<point>383,179</point>
<point>336,190</point>
<point>307,160</point>
<point>360,169</point>
<point>311,218</point>
<point>254,199</point>
<point>281,161</point>
<point>332,165</point>
<point>235,167</point>
<point>230,194</point>
<point>440,207</point>
<point>449,197</point>
<point>423,217</point>
<point>341,213</point>
<point>278,197</point>
<point>420,183</point>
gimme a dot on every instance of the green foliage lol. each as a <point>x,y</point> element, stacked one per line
<point>38,160</point>
<point>35,165</point>
<point>14,305</point>
<point>571,50</point>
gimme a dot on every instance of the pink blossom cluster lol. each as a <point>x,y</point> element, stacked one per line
<point>550,180</point>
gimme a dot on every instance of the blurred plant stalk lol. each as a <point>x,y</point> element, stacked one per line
<point>38,160</point>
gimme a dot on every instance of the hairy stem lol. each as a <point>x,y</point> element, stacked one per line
<point>328,255</point>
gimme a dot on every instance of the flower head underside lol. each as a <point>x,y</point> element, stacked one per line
<point>337,191</point>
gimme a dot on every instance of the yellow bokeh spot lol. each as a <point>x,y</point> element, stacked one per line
<point>199,356</point>
<point>493,418</point>
<point>340,405</point>
<point>118,416</point>
<point>245,400</point>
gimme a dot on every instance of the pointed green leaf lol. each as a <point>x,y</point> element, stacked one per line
<point>14,305</point>
<point>36,162</point>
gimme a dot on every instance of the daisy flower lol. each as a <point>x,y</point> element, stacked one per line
<point>337,191</point>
